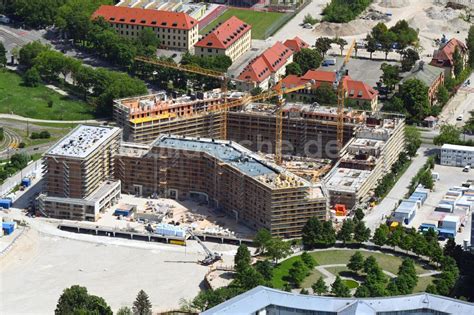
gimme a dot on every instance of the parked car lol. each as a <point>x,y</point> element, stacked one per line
<point>460,118</point>
<point>4,19</point>
<point>466,168</point>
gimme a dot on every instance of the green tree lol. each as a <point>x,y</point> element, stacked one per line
<point>370,264</point>
<point>32,77</point>
<point>442,95</point>
<point>142,304</point>
<point>371,45</point>
<point>125,310</point>
<point>469,126</point>
<point>390,76</point>
<point>338,11</point>
<point>308,18</point>
<point>325,94</point>
<point>470,46</point>
<point>242,258</point>
<point>3,55</point>
<point>249,278</point>
<point>395,237</point>
<point>319,287</point>
<point>293,68</point>
<point>405,35</point>
<point>362,291</point>
<point>359,214</point>
<point>148,38</point>
<point>458,64</point>
<point>410,56</point>
<point>339,288</point>
<point>29,52</point>
<point>341,42</point>
<point>448,134</point>
<point>36,13</point>
<point>414,94</point>
<point>323,44</point>
<point>356,262</point>
<point>76,300</point>
<point>278,249</point>
<point>297,273</point>
<point>210,298</point>
<point>426,179</point>
<point>265,268</point>
<point>412,140</point>
<point>311,233</point>
<point>308,59</point>
<point>262,239</point>
<point>303,291</point>
<point>345,233</point>
<point>361,232</point>
<point>308,260</point>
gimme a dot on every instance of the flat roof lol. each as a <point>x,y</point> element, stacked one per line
<point>225,151</point>
<point>259,298</point>
<point>347,179</point>
<point>457,147</point>
<point>81,141</point>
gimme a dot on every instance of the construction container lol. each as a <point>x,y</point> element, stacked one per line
<point>169,230</point>
<point>406,210</point>
<point>449,222</point>
<point>26,182</point>
<point>424,227</point>
<point>444,207</point>
<point>8,227</point>
<point>5,203</point>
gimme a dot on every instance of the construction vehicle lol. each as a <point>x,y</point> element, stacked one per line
<point>211,257</point>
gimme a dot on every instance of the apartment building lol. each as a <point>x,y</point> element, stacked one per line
<point>456,155</point>
<point>365,159</point>
<point>431,76</point>
<point>78,173</point>
<point>227,176</point>
<point>175,30</point>
<point>265,70</point>
<point>231,38</point>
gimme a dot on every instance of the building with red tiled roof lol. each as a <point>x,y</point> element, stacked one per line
<point>175,30</point>
<point>266,69</point>
<point>443,57</point>
<point>296,44</point>
<point>231,38</point>
<point>359,93</point>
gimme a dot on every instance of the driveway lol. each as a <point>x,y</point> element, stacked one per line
<point>377,215</point>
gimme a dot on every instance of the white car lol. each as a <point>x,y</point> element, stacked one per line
<point>460,118</point>
<point>4,19</point>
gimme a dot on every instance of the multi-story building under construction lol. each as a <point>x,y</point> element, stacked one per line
<point>79,174</point>
<point>307,129</point>
<point>227,176</point>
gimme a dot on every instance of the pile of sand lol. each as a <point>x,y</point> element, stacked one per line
<point>355,27</point>
<point>394,3</point>
<point>437,20</point>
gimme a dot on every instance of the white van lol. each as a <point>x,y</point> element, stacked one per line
<point>466,168</point>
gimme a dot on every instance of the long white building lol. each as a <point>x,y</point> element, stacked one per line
<point>457,155</point>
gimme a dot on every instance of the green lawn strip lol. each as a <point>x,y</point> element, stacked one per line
<point>33,101</point>
<point>260,21</point>
<point>386,262</point>
<point>423,282</point>
<point>56,134</point>
<point>351,284</point>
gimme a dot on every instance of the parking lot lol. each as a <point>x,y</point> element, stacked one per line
<point>449,177</point>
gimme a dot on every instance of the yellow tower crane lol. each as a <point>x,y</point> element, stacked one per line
<point>223,108</point>
<point>341,94</point>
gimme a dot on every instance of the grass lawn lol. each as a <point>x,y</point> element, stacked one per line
<point>337,270</point>
<point>351,284</point>
<point>33,101</point>
<point>281,271</point>
<point>386,262</point>
<point>56,134</point>
<point>423,282</point>
<point>312,278</point>
<point>260,21</point>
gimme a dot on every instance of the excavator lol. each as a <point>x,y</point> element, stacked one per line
<point>211,257</point>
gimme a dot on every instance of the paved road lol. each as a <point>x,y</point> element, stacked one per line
<point>377,215</point>
<point>461,104</point>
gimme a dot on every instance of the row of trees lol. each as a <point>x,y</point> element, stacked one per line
<point>77,300</point>
<point>398,37</point>
<point>17,162</point>
<point>97,85</point>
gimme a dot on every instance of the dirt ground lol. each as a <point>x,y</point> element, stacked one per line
<point>45,260</point>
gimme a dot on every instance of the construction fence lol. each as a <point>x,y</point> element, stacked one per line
<point>284,19</point>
